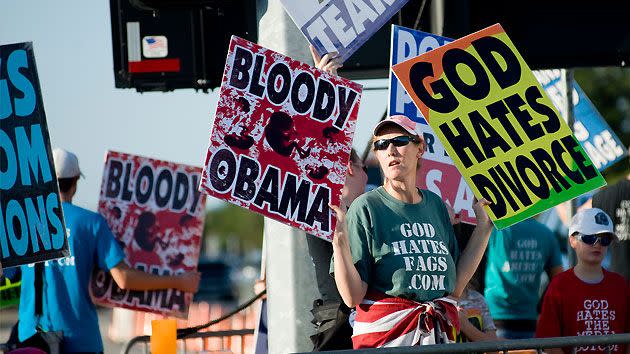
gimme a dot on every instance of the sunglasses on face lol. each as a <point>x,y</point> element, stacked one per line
<point>397,141</point>
<point>604,240</point>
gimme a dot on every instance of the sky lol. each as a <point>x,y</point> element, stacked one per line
<point>87,115</point>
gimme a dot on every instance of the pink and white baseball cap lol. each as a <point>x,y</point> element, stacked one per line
<point>402,121</point>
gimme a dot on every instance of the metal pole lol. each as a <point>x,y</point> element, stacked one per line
<point>567,80</point>
<point>290,275</point>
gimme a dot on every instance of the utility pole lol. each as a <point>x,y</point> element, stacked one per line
<point>291,284</point>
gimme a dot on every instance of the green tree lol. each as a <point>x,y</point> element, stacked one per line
<point>609,90</point>
<point>233,221</point>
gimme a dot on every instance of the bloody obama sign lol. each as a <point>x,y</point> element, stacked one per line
<point>281,138</point>
<point>155,211</point>
<point>31,221</point>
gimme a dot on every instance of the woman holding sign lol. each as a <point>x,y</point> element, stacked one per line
<point>395,254</point>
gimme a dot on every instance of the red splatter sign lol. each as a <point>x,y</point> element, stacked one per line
<point>156,212</point>
<point>281,138</point>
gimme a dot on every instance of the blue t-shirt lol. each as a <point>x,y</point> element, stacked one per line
<point>66,302</point>
<point>517,256</point>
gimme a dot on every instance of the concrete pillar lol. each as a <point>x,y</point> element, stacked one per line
<point>291,285</point>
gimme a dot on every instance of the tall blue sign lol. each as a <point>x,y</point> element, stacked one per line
<point>31,222</point>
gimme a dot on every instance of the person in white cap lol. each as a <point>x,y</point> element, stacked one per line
<point>67,306</point>
<point>587,299</point>
<point>396,258</point>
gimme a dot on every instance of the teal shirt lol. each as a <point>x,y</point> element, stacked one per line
<point>403,250</point>
<point>517,256</point>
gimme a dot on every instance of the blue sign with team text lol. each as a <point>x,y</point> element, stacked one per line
<point>339,25</point>
<point>31,221</point>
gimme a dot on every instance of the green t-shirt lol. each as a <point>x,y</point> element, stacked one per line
<point>517,256</point>
<point>404,250</point>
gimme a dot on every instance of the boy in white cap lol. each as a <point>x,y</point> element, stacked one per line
<point>67,306</point>
<point>587,299</point>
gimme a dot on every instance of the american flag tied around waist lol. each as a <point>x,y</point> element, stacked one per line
<point>387,321</point>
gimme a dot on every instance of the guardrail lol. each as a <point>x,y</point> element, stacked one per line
<point>504,346</point>
<point>242,333</point>
<point>184,334</point>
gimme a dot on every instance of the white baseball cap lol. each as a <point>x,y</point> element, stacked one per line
<point>66,164</point>
<point>592,221</point>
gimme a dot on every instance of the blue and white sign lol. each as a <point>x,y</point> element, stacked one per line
<point>340,25</point>
<point>599,141</point>
<point>406,44</point>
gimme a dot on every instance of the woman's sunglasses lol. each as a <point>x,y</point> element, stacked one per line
<point>398,141</point>
<point>604,240</point>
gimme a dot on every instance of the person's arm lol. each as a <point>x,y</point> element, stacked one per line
<point>349,283</point>
<point>472,333</point>
<point>471,256</point>
<point>329,62</point>
<point>128,278</point>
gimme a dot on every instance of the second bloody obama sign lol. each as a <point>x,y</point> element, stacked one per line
<point>281,138</point>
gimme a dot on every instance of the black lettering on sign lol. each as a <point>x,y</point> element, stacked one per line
<point>503,188</point>
<point>196,192</point>
<point>222,170</point>
<point>239,76</point>
<point>280,74</point>
<point>489,139</point>
<point>180,193</point>
<point>113,184</point>
<point>127,194</point>
<point>532,95</point>
<point>307,80</point>
<point>269,189</point>
<point>558,150</point>
<point>514,183</point>
<point>324,100</point>
<point>255,88</point>
<point>454,57</point>
<point>145,177</point>
<point>549,168</point>
<point>163,188</point>
<point>462,141</point>
<point>319,210</point>
<point>487,47</point>
<point>447,103</point>
<point>572,146</point>
<point>539,188</point>
<point>498,110</point>
<point>488,190</point>
<point>347,98</point>
<point>248,172</point>
<point>170,189</point>
<point>294,198</point>
<point>514,103</point>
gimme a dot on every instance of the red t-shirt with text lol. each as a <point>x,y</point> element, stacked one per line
<point>572,307</point>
